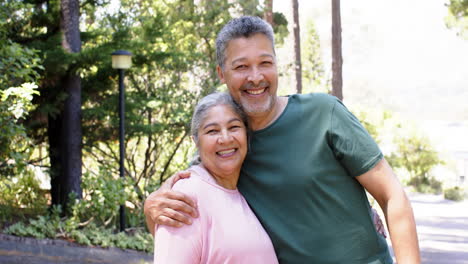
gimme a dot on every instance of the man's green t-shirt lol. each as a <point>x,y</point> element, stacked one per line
<point>299,178</point>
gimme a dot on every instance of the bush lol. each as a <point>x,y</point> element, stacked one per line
<point>21,196</point>
<point>454,194</point>
<point>415,154</point>
<point>426,185</point>
<point>52,226</point>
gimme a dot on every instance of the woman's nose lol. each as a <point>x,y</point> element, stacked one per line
<point>225,137</point>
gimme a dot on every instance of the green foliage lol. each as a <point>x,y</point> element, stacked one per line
<point>280,27</point>
<point>22,191</point>
<point>52,226</point>
<point>455,194</point>
<point>377,122</point>
<point>103,194</point>
<point>416,155</point>
<point>91,221</point>
<point>15,148</point>
<point>173,66</point>
<point>255,8</point>
<point>458,16</point>
<point>406,150</point>
<point>20,197</point>
<point>313,72</point>
<point>19,70</point>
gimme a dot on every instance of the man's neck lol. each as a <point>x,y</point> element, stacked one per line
<point>260,122</point>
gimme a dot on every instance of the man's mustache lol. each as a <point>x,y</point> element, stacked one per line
<point>251,85</point>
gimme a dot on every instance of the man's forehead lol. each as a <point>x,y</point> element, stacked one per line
<point>244,58</point>
<point>244,45</point>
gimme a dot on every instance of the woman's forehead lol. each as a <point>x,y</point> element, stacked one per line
<point>220,113</point>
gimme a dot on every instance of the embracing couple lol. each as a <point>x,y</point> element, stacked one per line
<point>277,179</point>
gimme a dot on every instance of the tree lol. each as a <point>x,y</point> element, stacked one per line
<point>65,137</point>
<point>312,65</point>
<point>41,27</point>
<point>19,67</point>
<point>337,59</point>
<point>297,46</point>
<point>268,13</point>
<point>458,17</point>
<point>174,63</point>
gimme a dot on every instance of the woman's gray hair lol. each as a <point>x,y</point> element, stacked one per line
<point>242,27</point>
<point>201,110</point>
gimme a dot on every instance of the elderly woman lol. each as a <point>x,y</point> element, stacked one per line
<point>227,231</point>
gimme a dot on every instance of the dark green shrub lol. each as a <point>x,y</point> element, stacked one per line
<point>454,194</point>
<point>52,226</point>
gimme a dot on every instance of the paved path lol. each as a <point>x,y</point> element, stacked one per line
<point>442,229</point>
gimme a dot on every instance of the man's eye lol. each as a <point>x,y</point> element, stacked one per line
<point>240,67</point>
<point>211,131</point>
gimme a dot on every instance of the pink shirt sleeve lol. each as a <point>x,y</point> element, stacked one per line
<point>178,245</point>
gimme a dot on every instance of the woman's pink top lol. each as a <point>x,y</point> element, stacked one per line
<point>226,230</point>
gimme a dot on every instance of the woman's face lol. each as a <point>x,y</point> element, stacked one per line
<point>222,142</point>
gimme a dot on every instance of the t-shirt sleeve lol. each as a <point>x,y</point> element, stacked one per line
<point>178,245</point>
<point>352,145</point>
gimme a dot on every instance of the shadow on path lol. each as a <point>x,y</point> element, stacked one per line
<point>16,250</point>
<point>442,229</point>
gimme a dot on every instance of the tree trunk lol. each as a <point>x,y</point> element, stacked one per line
<point>54,124</point>
<point>337,59</point>
<point>65,129</point>
<point>297,46</point>
<point>268,14</point>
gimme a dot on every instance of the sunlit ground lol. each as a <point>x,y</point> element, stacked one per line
<point>442,229</point>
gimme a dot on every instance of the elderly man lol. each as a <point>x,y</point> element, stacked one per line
<point>308,168</point>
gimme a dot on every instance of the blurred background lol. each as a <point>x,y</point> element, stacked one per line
<point>404,74</point>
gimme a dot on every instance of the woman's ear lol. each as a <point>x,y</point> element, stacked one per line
<point>194,141</point>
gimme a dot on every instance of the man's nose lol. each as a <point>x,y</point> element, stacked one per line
<point>255,75</point>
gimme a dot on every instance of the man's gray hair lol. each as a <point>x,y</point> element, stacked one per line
<point>242,27</point>
<point>202,109</point>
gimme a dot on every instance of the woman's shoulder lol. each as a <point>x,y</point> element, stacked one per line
<point>196,184</point>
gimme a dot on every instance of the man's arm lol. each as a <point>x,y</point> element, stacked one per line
<point>167,207</point>
<point>384,186</point>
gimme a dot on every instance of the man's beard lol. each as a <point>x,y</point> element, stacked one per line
<point>253,107</point>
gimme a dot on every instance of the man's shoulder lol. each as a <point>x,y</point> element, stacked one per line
<point>315,101</point>
<point>316,98</point>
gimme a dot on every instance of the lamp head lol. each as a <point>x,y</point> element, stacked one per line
<point>121,59</point>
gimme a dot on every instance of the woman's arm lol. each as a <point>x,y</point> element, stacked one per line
<point>178,245</point>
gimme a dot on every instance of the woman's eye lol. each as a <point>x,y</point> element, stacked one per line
<point>211,131</point>
<point>240,67</point>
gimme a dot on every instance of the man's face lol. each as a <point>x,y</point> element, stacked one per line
<point>250,74</point>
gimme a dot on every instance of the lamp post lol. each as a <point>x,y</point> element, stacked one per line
<point>121,60</point>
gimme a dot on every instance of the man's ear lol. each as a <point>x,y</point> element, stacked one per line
<point>220,73</point>
<point>193,140</point>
